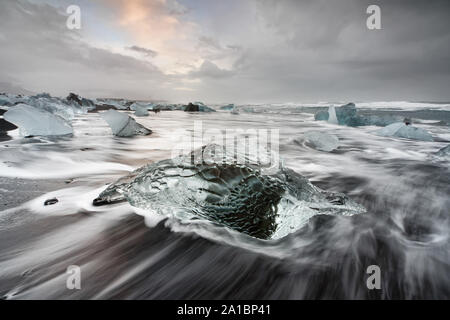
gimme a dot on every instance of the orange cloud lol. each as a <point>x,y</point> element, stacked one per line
<point>157,25</point>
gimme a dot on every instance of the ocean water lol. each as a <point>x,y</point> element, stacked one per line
<point>125,253</point>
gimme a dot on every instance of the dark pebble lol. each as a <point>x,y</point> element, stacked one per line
<point>49,202</point>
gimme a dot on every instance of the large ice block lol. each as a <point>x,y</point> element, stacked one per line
<point>237,196</point>
<point>37,122</point>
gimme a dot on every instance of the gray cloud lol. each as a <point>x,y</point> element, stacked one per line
<point>210,48</point>
<point>321,50</point>
<point>210,70</point>
<point>209,42</point>
<point>146,52</point>
<point>274,50</point>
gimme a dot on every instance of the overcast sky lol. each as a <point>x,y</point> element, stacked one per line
<point>242,51</point>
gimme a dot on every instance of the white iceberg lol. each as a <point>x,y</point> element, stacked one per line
<point>36,122</point>
<point>321,141</point>
<point>123,125</point>
<point>401,130</point>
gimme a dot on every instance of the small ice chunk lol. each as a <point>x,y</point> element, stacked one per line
<point>123,125</point>
<point>401,130</point>
<point>36,122</point>
<point>321,141</point>
<point>141,111</point>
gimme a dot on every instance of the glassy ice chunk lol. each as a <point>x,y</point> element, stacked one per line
<point>123,125</point>
<point>321,141</point>
<point>401,130</point>
<point>238,196</point>
<point>36,122</point>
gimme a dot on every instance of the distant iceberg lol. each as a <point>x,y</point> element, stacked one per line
<point>197,107</point>
<point>111,103</point>
<point>401,130</point>
<point>343,115</point>
<point>137,105</point>
<point>141,111</point>
<point>56,107</point>
<point>228,107</point>
<point>76,99</point>
<point>123,125</point>
<point>37,122</point>
<point>347,115</point>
